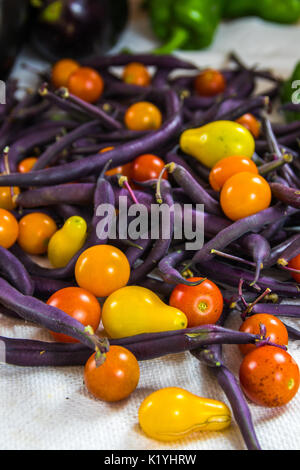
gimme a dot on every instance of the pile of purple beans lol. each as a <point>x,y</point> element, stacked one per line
<point>67,134</point>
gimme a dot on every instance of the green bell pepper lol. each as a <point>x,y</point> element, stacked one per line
<point>279,11</point>
<point>290,92</point>
<point>188,24</point>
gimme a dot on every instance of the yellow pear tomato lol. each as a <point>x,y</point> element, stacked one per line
<point>134,310</point>
<point>217,140</point>
<point>172,413</point>
<point>67,241</point>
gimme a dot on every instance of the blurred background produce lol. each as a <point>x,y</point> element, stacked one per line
<point>79,29</point>
<point>13,28</point>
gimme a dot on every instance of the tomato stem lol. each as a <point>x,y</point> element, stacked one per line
<point>250,306</point>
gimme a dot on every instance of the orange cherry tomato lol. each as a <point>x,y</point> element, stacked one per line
<point>79,304</point>
<point>228,167</point>
<point>251,123</point>
<point>116,378</point>
<point>210,83</point>
<point>86,83</point>
<point>35,231</point>
<point>275,329</point>
<point>27,164</point>
<point>9,229</point>
<point>143,116</point>
<point>201,304</point>
<point>294,263</point>
<point>7,197</point>
<point>125,170</point>
<point>102,269</point>
<point>61,72</point>
<point>245,194</point>
<point>136,74</point>
<point>269,376</point>
<point>106,149</point>
<point>147,167</point>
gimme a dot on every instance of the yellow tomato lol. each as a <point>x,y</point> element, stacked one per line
<point>134,310</point>
<point>245,194</point>
<point>35,232</point>
<point>172,413</point>
<point>217,140</point>
<point>67,241</point>
<point>7,197</point>
<point>102,269</point>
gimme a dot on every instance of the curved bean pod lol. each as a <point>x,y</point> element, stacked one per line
<point>33,310</point>
<point>15,272</point>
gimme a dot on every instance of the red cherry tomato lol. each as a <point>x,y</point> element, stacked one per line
<point>143,116</point>
<point>9,229</point>
<point>27,164</point>
<point>116,378</point>
<point>61,72</point>
<point>86,83</point>
<point>269,376</point>
<point>275,329</point>
<point>136,74</point>
<point>210,83</point>
<point>79,304</point>
<point>201,304</point>
<point>228,167</point>
<point>147,167</point>
<point>245,194</point>
<point>251,123</point>
<point>294,263</point>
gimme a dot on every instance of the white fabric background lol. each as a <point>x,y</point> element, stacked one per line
<point>51,409</point>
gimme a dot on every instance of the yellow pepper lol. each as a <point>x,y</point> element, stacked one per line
<point>67,241</point>
<point>134,310</point>
<point>217,140</point>
<point>172,413</point>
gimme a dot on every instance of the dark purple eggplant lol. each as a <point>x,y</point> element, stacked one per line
<point>77,28</point>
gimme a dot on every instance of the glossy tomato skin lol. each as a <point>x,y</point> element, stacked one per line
<point>201,304</point>
<point>116,378</point>
<point>147,167</point>
<point>80,305</point>
<point>102,269</point>
<point>275,330</point>
<point>86,83</point>
<point>61,72</point>
<point>136,73</point>
<point>35,232</point>
<point>245,194</point>
<point>143,116</point>
<point>27,164</point>
<point>9,229</point>
<point>228,167</point>
<point>210,82</point>
<point>7,197</point>
<point>217,140</point>
<point>269,376</point>
<point>251,123</point>
<point>294,263</point>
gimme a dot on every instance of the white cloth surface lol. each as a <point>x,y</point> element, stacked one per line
<point>49,408</point>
